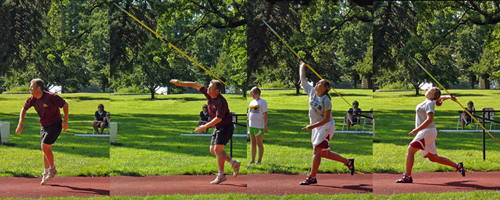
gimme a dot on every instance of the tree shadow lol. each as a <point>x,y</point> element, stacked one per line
<point>290,133</point>
<point>86,98</point>
<point>97,147</point>
<point>157,132</point>
<point>394,127</point>
<point>19,174</point>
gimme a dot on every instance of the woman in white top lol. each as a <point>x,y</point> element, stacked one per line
<point>426,134</point>
<point>322,125</point>
<point>257,121</point>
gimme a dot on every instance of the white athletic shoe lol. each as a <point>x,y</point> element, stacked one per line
<point>236,168</point>
<point>51,174</point>
<point>44,178</point>
<point>219,179</point>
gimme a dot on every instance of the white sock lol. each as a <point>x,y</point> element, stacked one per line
<point>45,170</point>
<point>232,161</point>
<point>221,173</point>
<point>52,167</point>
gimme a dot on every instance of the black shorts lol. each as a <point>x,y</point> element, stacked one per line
<point>222,135</point>
<point>105,124</point>
<point>50,133</point>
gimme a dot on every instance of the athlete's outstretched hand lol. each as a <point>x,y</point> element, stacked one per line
<point>308,127</point>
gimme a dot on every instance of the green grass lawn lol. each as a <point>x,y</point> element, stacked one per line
<point>395,118</point>
<point>288,148</point>
<point>149,140</point>
<point>74,156</point>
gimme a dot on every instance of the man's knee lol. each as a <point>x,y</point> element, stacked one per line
<point>218,149</point>
<point>212,150</point>
<point>46,147</point>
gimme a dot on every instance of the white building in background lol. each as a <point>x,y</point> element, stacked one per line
<point>55,89</point>
<point>162,90</point>
<point>425,86</point>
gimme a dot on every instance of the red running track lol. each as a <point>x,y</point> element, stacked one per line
<point>284,184</point>
<point>175,184</point>
<point>57,187</point>
<point>267,184</point>
<point>436,182</point>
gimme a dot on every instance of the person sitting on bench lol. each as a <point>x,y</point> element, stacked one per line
<point>465,118</point>
<point>352,116</point>
<point>204,117</point>
<point>100,120</point>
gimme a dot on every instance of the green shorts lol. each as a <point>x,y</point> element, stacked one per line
<point>256,131</point>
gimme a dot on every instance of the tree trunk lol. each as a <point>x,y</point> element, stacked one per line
<point>297,88</point>
<point>472,80</point>
<point>244,90</point>
<point>486,81</point>
<point>152,91</point>
<point>103,86</point>
<point>355,80</point>
<point>63,88</point>
<point>417,89</point>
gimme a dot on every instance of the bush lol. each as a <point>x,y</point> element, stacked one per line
<point>19,89</point>
<point>131,89</point>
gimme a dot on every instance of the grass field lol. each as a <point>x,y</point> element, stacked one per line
<point>74,156</point>
<point>288,148</point>
<point>150,144</point>
<point>149,135</point>
<point>396,118</point>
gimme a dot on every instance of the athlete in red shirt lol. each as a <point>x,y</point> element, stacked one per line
<point>47,106</point>
<point>221,119</point>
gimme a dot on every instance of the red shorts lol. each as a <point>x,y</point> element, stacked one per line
<point>325,144</point>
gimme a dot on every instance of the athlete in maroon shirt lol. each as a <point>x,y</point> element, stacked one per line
<point>47,106</point>
<point>221,119</point>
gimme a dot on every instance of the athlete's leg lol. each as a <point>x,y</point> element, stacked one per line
<point>316,161</point>
<point>410,158</point>
<point>254,146</point>
<point>333,156</point>
<point>260,139</point>
<point>441,160</point>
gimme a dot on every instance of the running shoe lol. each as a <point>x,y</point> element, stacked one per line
<point>251,162</point>
<point>405,179</point>
<point>51,174</point>
<point>236,168</point>
<point>309,180</point>
<point>350,165</point>
<point>219,179</point>
<point>44,178</point>
<point>257,163</point>
<point>460,168</point>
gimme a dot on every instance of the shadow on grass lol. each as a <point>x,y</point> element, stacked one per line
<point>126,173</point>
<point>19,174</point>
<point>97,147</point>
<point>162,133</point>
<point>396,132</point>
<point>174,99</point>
<point>86,98</point>
<point>289,123</point>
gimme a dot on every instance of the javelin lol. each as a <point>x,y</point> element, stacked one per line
<point>456,101</point>
<point>303,60</point>
<point>169,43</point>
